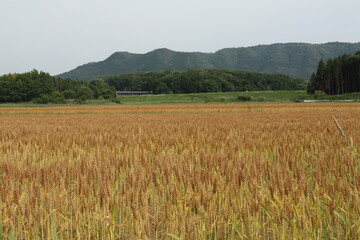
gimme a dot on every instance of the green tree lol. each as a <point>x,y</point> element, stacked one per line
<point>100,88</point>
<point>209,85</point>
<point>84,93</point>
<point>311,86</point>
<point>337,76</point>
<point>69,94</point>
<point>54,97</point>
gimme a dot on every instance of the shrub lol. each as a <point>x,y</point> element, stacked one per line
<point>81,100</point>
<point>243,98</point>
<point>319,95</point>
<point>208,99</point>
<point>84,93</point>
<point>69,94</point>
<point>116,100</point>
<point>55,97</point>
<point>297,100</point>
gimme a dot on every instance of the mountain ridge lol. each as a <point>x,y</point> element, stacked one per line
<point>297,60</point>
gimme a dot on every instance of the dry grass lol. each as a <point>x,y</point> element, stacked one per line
<point>269,171</point>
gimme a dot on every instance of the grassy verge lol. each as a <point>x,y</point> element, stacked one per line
<point>198,98</point>
<point>222,97</point>
<point>346,96</point>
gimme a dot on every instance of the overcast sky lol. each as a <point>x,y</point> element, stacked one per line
<point>58,35</point>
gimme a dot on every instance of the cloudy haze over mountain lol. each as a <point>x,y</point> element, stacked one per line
<point>56,36</point>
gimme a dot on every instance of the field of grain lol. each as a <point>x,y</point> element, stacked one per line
<point>231,171</point>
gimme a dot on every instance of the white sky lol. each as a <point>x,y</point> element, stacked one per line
<point>58,35</point>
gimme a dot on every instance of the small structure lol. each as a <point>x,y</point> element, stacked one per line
<point>121,93</point>
<point>310,101</point>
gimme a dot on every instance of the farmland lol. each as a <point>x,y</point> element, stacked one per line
<point>185,171</point>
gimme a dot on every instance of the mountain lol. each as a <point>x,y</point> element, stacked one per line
<point>298,60</point>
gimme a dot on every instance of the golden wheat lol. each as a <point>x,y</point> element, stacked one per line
<point>236,171</point>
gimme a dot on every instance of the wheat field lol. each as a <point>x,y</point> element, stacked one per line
<point>215,171</point>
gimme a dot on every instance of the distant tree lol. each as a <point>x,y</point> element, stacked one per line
<point>69,94</point>
<point>100,88</point>
<point>26,86</point>
<point>226,86</point>
<point>320,73</point>
<point>200,80</point>
<point>337,76</point>
<point>40,87</point>
<point>311,86</point>
<point>54,97</point>
<point>84,92</point>
<point>157,86</point>
<point>209,85</point>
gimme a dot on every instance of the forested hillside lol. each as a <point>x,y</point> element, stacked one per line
<point>296,60</point>
<point>201,80</point>
<point>337,76</point>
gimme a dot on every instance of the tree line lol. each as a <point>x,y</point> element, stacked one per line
<point>337,76</point>
<point>40,87</point>
<point>202,81</point>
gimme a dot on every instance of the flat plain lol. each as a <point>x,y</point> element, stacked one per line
<point>185,171</point>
